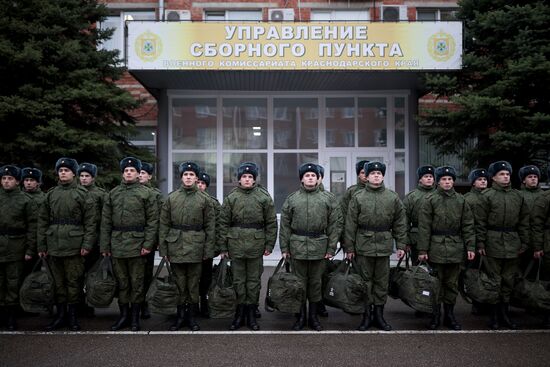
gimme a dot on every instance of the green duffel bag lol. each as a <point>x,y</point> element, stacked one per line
<point>531,294</point>
<point>416,286</point>
<point>101,283</point>
<point>222,297</point>
<point>37,294</point>
<point>476,285</point>
<point>286,291</point>
<point>346,289</point>
<point>163,293</point>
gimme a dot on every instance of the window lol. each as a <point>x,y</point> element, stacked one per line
<point>116,22</point>
<point>245,123</point>
<point>194,124</point>
<point>145,137</point>
<point>372,122</point>
<point>340,15</point>
<point>233,15</point>
<point>428,14</point>
<point>295,123</point>
<point>340,122</point>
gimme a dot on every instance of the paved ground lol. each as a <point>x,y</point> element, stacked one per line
<point>275,345</point>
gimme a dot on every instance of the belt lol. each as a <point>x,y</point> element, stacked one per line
<point>66,221</point>
<point>248,225</point>
<point>128,228</point>
<point>501,229</point>
<point>12,231</point>
<point>445,233</point>
<point>375,229</point>
<point>188,227</point>
<point>308,233</point>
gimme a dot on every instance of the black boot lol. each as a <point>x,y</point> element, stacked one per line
<point>493,322</point>
<point>179,319</point>
<point>145,313</point>
<point>436,318</point>
<point>136,308</point>
<point>300,319</point>
<point>251,317</point>
<point>257,313</point>
<point>192,310</point>
<point>505,317</point>
<point>60,319</point>
<point>449,318</point>
<point>204,307</point>
<point>379,318</point>
<point>321,309</point>
<point>123,318</point>
<point>239,318</point>
<point>313,319</point>
<point>73,320</point>
<point>11,320</point>
<point>366,320</point>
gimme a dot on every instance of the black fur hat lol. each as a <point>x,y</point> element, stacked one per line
<point>528,170</point>
<point>205,177</point>
<point>69,163</point>
<point>321,170</point>
<point>247,167</point>
<point>10,170</point>
<point>477,173</point>
<point>130,162</point>
<point>425,170</point>
<point>375,166</point>
<point>359,166</point>
<point>308,167</point>
<point>498,166</point>
<point>87,167</point>
<point>147,167</point>
<point>189,166</point>
<point>29,172</point>
<point>445,171</point>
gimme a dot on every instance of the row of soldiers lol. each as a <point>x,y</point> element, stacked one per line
<point>435,223</point>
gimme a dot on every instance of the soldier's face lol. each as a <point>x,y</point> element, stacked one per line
<point>375,178</point>
<point>531,181</point>
<point>9,183</point>
<point>86,179</point>
<point>309,179</point>
<point>446,183</point>
<point>480,183</point>
<point>362,177</point>
<point>65,175</point>
<point>130,174</point>
<point>201,185</point>
<point>188,179</point>
<point>247,180</point>
<point>427,180</point>
<point>502,178</point>
<point>144,177</point>
<point>30,184</point>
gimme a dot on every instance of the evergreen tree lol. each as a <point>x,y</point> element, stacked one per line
<point>58,95</point>
<point>501,97</point>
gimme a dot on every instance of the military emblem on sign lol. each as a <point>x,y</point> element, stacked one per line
<point>441,46</point>
<point>148,46</point>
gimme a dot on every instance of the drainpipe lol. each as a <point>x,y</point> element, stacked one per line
<point>161,9</point>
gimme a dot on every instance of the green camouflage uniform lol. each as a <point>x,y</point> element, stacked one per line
<point>540,230</point>
<point>375,218</point>
<point>129,223</point>
<point>187,236</point>
<point>150,258</point>
<point>67,224</point>
<point>413,202</point>
<point>17,239</point>
<point>311,225</point>
<point>445,231</point>
<point>247,228</point>
<point>344,204</point>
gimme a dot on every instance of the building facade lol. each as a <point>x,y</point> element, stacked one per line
<point>267,101</point>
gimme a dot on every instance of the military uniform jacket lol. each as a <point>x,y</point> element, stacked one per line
<point>502,222</point>
<point>157,194</point>
<point>17,225</point>
<point>217,209</point>
<point>540,224</point>
<point>375,218</point>
<point>412,203</point>
<point>530,196</point>
<point>66,221</point>
<point>129,220</point>
<point>310,224</point>
<point>98,195</point>
<point>344,204</point>
<point>37,196</point>
<point>247,223</point>
<point>187,226</point>
<point>445,227</point>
